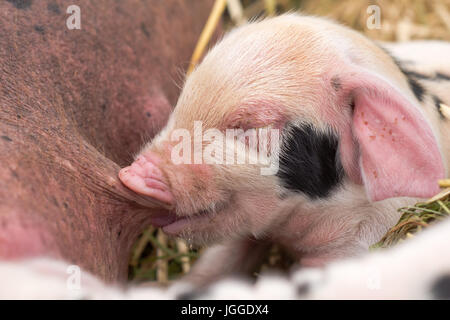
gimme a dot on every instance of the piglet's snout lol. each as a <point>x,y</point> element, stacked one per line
<point>144,177</point>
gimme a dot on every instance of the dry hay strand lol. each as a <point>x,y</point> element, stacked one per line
<point>415,218</point>
<point>401,20</point>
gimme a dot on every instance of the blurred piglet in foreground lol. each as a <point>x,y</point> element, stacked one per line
<point>296,131</point>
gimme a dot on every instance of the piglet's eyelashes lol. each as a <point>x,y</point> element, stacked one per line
<point>249,126</point>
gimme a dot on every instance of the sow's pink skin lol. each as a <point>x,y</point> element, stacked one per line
<point>359,139</point>
<point>74,106</point>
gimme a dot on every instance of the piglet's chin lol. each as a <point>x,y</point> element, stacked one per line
<point>163,218</point>
<point>176,227</point>
<point>186,223</point>
<point>145,178</point>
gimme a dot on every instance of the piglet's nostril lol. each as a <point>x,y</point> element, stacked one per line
<point>136,168</point>
<point>152,170</point>
<point>146,178</point>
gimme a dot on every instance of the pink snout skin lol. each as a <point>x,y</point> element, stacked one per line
<point>144,177</point>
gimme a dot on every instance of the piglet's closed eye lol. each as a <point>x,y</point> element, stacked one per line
<point>395,152</point>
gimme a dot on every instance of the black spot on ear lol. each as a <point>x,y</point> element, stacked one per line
<point>437,103</point>
<point>54,8</point>
<point>20,4</point>
<point>6,138</point>
<point>441,288</point>
<point>309,161</point>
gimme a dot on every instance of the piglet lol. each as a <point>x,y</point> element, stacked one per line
<point>333,137</point>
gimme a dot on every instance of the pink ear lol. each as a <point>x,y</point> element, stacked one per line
<point>393,147</point>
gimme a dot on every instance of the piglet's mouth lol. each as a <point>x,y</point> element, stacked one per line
<point>173,224</point>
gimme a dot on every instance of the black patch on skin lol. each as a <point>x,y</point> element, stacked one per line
<point>441,288</point>
<point>336,83</point>
<point>441,76</point>
<point>54,8</point>
<point>190,295</point>
<point>6,138</point>
<point>309,161</point>
<point>39,29</point>
<point>303,289</point>
<point>437,103</point>
<point>415,86</point>
<point>413,74</point>
<point>148,114</point>
<point>21,4</point>
<point>416,75</point>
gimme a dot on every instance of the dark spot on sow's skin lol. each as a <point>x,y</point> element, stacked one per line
<point>145,30</point>
<point>6,138</point>
<point>21,4</point>
<point>39,29</point>
<point>54,8</point>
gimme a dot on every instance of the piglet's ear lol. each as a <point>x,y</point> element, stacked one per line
<point>390,145</point>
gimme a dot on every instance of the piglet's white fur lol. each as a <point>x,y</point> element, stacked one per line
<point>291,70</point>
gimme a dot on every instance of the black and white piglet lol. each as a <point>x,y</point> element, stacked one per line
<point>361,135</point>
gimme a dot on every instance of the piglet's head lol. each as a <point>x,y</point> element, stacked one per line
<point>303,117</point>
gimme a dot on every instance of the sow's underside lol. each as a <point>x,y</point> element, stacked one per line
<point>75,105</point>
